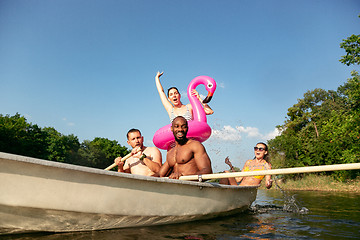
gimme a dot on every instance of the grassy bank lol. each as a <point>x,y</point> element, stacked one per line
<point>318,183</point>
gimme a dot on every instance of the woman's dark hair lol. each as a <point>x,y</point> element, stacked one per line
<point>172,88</point>
<point>266,157</point>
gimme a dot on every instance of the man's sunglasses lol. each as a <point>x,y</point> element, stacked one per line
<point>260,149</point>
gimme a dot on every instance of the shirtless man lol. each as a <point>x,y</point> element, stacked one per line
<point>144,160</point>
<point>188,157</point>
<point>260,162</point>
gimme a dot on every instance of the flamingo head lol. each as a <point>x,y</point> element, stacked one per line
<point>210,86</point>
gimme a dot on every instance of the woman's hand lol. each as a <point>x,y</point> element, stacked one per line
<point>269,184</point>
<point>207,108</point>
<point>164,99</point>
<point>158,74</point>
<point>227,161</point>
<point>196,94</point>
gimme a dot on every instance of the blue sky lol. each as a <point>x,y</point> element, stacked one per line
<point>87,67</point>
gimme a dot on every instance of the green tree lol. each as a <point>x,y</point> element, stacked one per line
<point>352,49</point>
<point>342,129</point>
<point>100,152</point>
<point>322,128</point>
<point>334,116</point>
<point>300,141</point>
<point>20,137</point>
<point>17,136</point>
<point>350,92</point>
<point>61,148</point>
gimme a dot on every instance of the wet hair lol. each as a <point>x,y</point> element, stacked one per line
<point>131,131</point>
<point>266,156</point>
<point>172,88</point>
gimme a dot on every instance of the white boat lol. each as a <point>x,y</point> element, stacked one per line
<point>40,195</point>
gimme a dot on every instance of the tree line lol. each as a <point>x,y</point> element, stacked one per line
<point>323,127</point>
<point>18,136</point>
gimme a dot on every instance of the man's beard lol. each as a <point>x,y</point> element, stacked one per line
<point>181,140</point>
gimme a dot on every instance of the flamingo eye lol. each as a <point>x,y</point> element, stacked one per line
<point>210,85</point>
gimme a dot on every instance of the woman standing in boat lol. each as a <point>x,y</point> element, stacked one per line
<point>259,163</point>
<point>173,104</point>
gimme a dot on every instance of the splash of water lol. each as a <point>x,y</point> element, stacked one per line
<point>291,204</point>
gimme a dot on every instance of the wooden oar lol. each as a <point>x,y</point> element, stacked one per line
<point>323,168</point>
<point>114,164</point>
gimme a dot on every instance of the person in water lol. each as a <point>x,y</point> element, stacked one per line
<point>173,104</point>
<point>188,157</point>
<point>260,162</point>
<point>144,160</point>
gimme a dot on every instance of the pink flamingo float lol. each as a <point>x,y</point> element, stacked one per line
<point>198,127</point>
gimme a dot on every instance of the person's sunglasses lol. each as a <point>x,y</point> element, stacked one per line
<point>260,149</point>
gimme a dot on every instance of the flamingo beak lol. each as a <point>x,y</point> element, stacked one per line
<point>208,97</point>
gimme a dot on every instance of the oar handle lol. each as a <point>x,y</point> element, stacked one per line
<point>114,164</point>
<point>323,168</point>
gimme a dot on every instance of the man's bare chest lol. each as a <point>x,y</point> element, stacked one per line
<point>182,155</point>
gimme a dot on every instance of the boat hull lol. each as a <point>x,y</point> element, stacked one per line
<point>39,195</point>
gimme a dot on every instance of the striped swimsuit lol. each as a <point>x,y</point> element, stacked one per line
<point>187,115</point>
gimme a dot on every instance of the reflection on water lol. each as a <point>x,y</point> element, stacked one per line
<point>330,216</point>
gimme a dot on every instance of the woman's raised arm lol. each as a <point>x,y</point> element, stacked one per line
<point>167,105</point>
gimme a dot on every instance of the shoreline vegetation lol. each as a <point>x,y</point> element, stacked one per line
<point>316,183</point>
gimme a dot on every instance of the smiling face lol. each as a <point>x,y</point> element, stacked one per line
<point>179,127</point>
<point>174,96</point>
<point>260,151</point>
<point>135,139</point>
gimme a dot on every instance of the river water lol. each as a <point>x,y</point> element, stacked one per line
<point>295,215</point>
